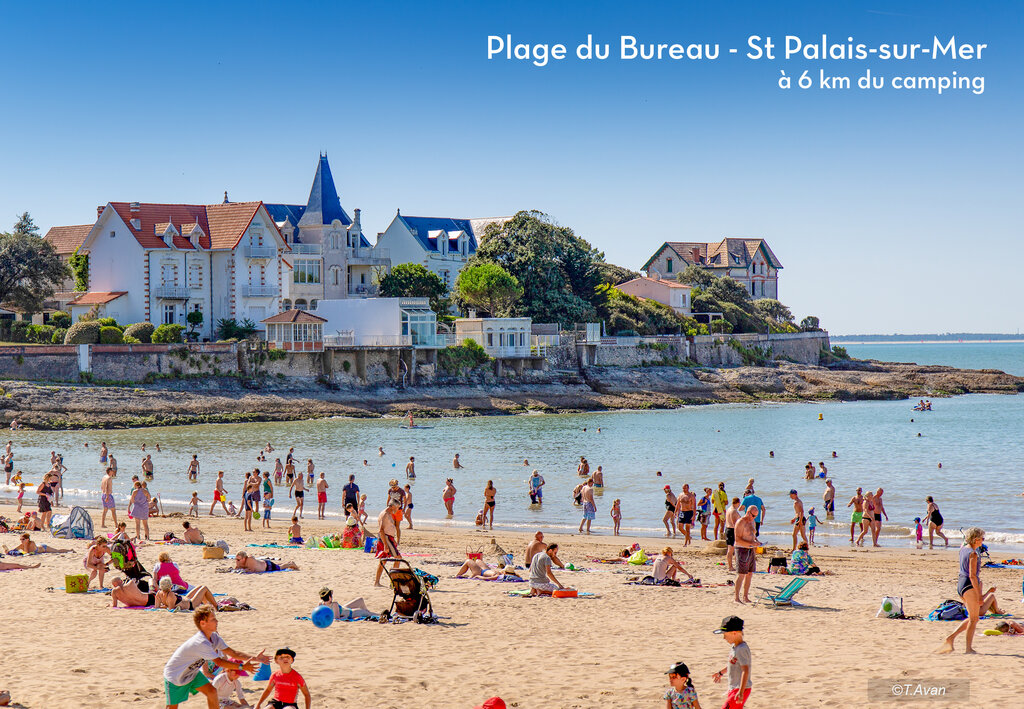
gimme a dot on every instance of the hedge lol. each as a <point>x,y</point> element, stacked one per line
<point>83,333</point>
<point>60,319</point>
<point>141,330</point>
<point>110,335</point>
<point>168,334</point>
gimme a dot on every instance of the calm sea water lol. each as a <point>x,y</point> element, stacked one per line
<point>976,438</point>
<point>1005,356</point>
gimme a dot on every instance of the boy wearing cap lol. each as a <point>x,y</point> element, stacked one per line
<point>680,694</point>
<point>285,683</point>
<point>739,663</point>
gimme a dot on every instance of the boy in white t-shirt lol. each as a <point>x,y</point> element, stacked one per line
<point>227,682</point>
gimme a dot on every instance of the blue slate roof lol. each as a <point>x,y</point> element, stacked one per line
<point>420,227</point>
<point>323,207</point>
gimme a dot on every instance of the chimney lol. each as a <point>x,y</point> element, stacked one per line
<point>696,255</point>
<point>226,197</point>
<point>356,225</point>
<point>134,207</point>
<point>99,210</point>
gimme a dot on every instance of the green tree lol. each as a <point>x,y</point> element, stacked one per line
<point>773,310</point>
<point>413,280</point>
<point>613,275</point>
<point>30,270</point>
<point>729,290</point>
<point>489,287</point>
<point>557,269</point>
<point>194,319</point>
<point>810,324</point>
<point>79,264</point>
<point>696,276</point>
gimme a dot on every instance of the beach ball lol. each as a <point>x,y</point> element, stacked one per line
<point>322,616</point>
<point>392,465</point>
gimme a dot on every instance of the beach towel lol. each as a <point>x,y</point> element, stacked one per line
<point>276,546</point>
<point>371,618</point>
<point>525,593</point>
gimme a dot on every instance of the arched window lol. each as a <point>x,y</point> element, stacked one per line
<point>300,304</point>
<point>312,304</point>
<point>286,304</point>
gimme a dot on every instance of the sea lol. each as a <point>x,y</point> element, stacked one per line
<point>966,453</point>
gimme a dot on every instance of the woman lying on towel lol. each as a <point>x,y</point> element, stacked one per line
<point>252,565</point>
<point>478,569</point>
<point>167,598</point>
<point>27,546</point>
<point>353,610</point>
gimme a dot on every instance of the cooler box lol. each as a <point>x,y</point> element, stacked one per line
<point>76,583</point>
<point>371,544</point>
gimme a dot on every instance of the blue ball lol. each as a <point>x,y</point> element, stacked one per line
<point>322,616</point>
<point>392,465</point>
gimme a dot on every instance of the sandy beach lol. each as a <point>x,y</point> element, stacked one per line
<point>74,650</point>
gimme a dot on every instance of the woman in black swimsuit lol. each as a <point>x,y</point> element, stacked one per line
<point>935,522</point>
<point>670,512</point>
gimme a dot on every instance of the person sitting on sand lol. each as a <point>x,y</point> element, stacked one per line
<point>542,580</point>
<point>168,569</point>
<point>252,565</point>
<point>27,546</point>
<point>666,566</point>
<point>353,610</point>
<point>191,535</point>
<point>801,562</point>
<point>536,546</point>
<point>95,560</point>
<point>167,598</point>
<point>129,594</point>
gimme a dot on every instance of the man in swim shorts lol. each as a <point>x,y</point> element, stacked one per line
<point>746,558</point>
<point>321,496</point>
<point>857,501</point>
<point>589,506</point>
<point>686,506</point>
<point>879,513</point>
<point>829,497</point>
<point>107,498</point>
<point>732,515</point>
<point>387,536</point>
<point>799,520</point>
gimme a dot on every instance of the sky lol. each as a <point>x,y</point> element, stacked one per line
<point>890,210</point>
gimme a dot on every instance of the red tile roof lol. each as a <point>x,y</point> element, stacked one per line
<point>97,297</point>
<point>66,239</point>
<point>300,316</point>
<point>223,224</point>
<point>661,281</point>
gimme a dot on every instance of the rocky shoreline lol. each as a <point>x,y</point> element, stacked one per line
<point>228,400</point>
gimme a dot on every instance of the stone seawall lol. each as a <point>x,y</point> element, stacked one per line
<point>120,363</point>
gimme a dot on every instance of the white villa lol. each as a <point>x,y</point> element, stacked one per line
<point>500,337</point>
<point>671,293</point>
<point>329,258</point>
<point>379,322</point>
<point>749,261</point>
<point>158,262</point>
<point>441,244</point>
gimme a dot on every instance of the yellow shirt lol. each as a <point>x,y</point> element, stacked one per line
<point>720,500</point>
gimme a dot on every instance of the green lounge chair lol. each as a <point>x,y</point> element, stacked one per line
<point>783,595</point>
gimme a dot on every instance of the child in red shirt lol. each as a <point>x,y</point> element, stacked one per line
<point>285,683</point>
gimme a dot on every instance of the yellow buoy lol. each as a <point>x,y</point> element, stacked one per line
<point>821,417</point>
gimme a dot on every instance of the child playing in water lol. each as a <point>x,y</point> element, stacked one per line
<point>232,510</point>
<point>295,531</point>
<point>362,509</point>
<point>812,524</point>
<point>193,505</point>
<point>919,532</point>
<point>616,517</point>
<point>21,494</point>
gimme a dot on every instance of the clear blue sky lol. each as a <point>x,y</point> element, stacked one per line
<point>890,210</point>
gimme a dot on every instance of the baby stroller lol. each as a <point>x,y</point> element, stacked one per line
<point>411,599</point>
<point>127,561</point>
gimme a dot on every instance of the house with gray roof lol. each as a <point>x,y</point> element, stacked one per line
<point>441,244</point>
<point>751,262</point>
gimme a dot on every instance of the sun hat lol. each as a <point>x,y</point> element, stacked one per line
<point>729,624</point>
<point>668,487</point>
<point>492,703</point>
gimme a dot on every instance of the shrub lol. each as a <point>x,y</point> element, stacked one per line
<point>19,331</point>
<point>42,334</point>
<point>60,319</point>
<point>465,356</point>
<point>83,333</point>
<point>129,340</point>
<point>168,334</point>
<point>840,352</point>
<point>143,331</point>
<point>59,333</point>
<point>110,335</point>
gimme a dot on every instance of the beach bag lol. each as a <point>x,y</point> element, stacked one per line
<point>892,607</point>
<point>77,525</point>
<point>637,558</point>
<point>949,610</point>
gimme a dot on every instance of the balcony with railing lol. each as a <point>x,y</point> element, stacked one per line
<point>258,291</point>
<point>363,290</point>
<point>260,252</point>
<point>307,249</point>
<point>171,292</point>
<point>369,255</point>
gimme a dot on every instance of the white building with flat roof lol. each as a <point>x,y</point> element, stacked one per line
<point>500,337</point>
<point>379,322</point>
